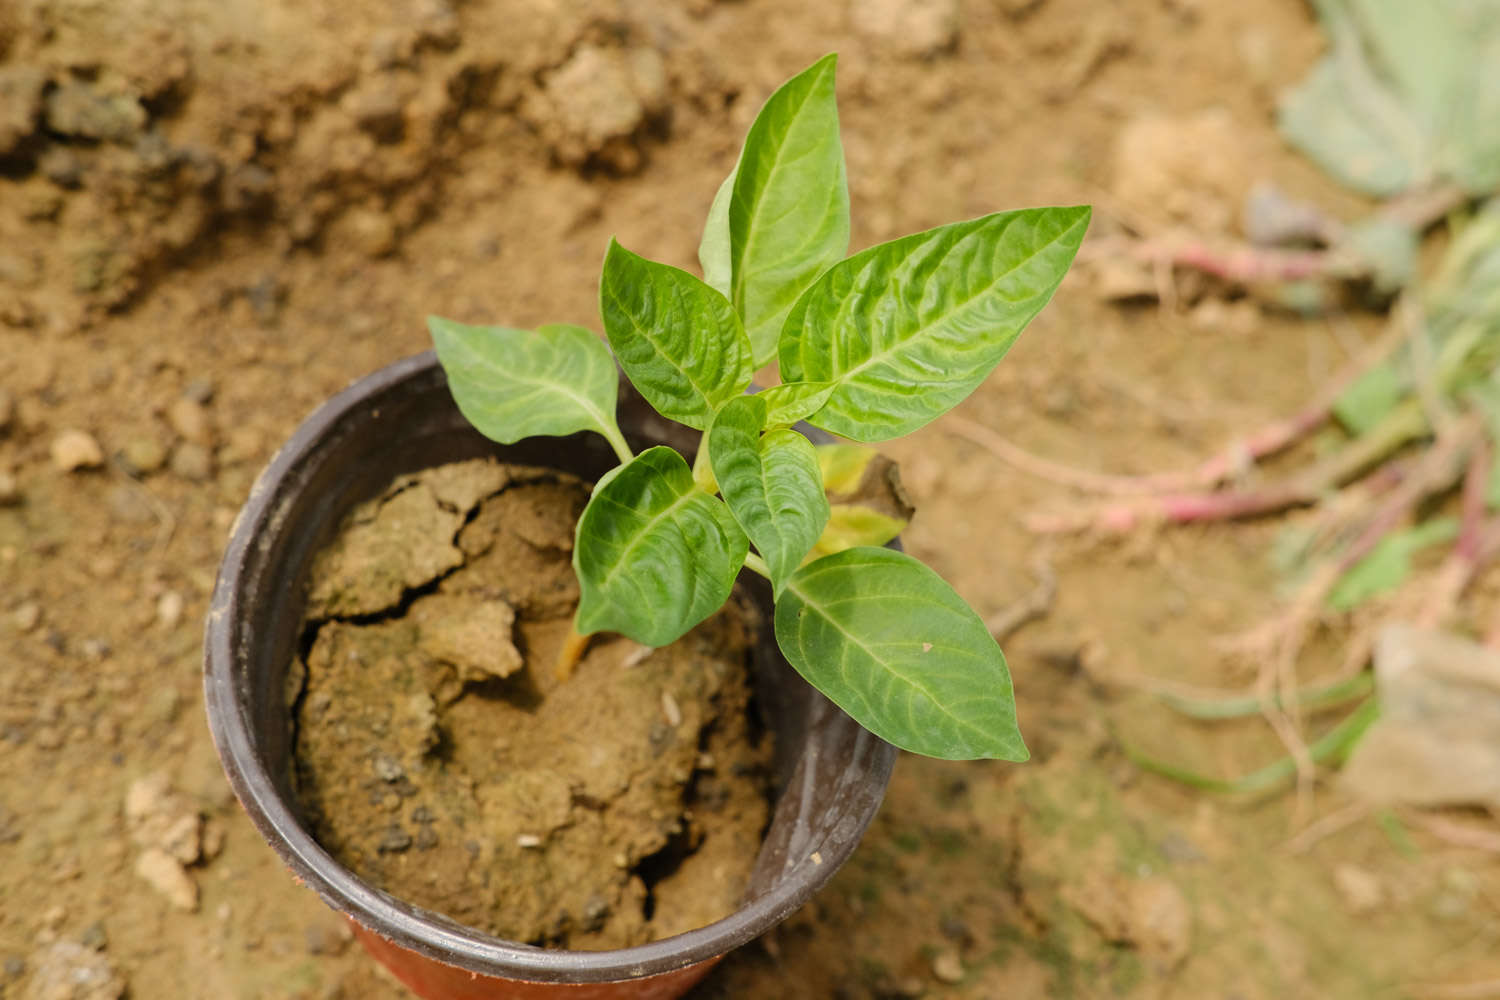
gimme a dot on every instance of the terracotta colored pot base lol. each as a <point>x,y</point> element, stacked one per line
<point>434,980</point>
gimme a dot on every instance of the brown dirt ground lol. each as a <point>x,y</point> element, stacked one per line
<point>214,215</point>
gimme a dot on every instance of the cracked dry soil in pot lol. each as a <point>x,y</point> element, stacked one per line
<point>438,757</point>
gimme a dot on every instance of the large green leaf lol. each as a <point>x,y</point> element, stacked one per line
<point>678,339</point>
<point>1408,93</point>
<point>654,554</point>
<point>514,384</point>
<point>770,483</point>
<point>787,213</point>
<point>907,329</point>
<point>892,644</point>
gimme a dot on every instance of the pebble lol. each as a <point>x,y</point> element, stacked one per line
<point>67,970</point>
<point>200,390</point>
<point>1359,889</point>
<point>191,420</point>
<point>169,609</point>
<point>10,490</point>
<point>394,841</point>
<point>947,968</point>
<point>192,461</point>
<point>27,617</point>
<point>74,449</point>
<point>7,409</point>
<point>915,28</point>
<point>372,233</point>
<point>166,875</point>
<point>143,454</point>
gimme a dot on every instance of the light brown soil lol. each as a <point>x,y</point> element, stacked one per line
<point>438,757</point>
<point>213,203</point>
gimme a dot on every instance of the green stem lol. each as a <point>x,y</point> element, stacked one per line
<point>1313,698</point>
<point>1334,745</point>
<point>617,442</point>
<point>756,563</point>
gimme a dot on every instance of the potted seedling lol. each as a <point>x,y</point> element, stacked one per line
<point>698,475</point>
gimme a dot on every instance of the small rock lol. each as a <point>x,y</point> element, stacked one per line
<point>27,617</point>
<point>192,461</point>
<point>162,819</point>
<point>169,609</point>
<point>75,449</point>
<point>1360,890</point>
<point>143,455</point>
<point>130,504</point>
<point>915,28</point>
<point>948,968</point>
<point>191,420</point>
<point>1160,921</point>
<point>377,110</point>
<point>201,390</point>
<point>394,841</point>
<point>10,490</point>
<point>7,409</point>
<point>61,166</point>
<point>20,104</point>
<point>166,875</point>
<point>370,232</point>
<point>594,104</point>
<point>78,109</point>
<point>67,970</point>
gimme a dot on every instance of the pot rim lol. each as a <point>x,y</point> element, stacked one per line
<point>423,931</point>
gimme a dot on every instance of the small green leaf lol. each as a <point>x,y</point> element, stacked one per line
<point>678,339</point>
<point>513,384</point>
<point>788,216</point>
<point>713,249</point>
<point>909,328</point>
<point>1389,563</point>
<point>892,644</point>
<point>770,484</point>
<point>1367,401</point>
<point>793,401</point>
<point>654,554</point>
<point>853,525</point>
<point>843,466</point>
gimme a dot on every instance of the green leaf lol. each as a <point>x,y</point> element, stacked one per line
<point>909,328</point>
<point>713,249</point>
<point>788,216</point>
<point>1389,563</point>
<point>843,466</point>
<point>892,644</point>
<point>770,483</point>
<point>514,384</point>
<point>853,525</point>
<point>1367,401</point>
<point>654,554</point>
<point>678,339</point>
<point>793,401</point>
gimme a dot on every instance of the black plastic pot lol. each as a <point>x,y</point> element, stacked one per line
<point>831,773</point>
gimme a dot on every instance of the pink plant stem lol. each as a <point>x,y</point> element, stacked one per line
<point>1402,426</point>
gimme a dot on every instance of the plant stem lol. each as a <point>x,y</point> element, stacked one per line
<point>757,564</point>
<point>617,442</point>
<point>1334,745</point>
<point>1313,697</point>
<point>571,652</point>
